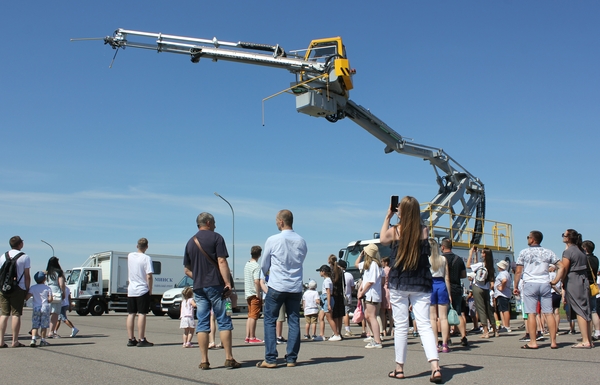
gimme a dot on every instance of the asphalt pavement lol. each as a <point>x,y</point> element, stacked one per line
<point>99,355</point>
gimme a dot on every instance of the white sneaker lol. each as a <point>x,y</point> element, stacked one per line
<point>335,338</point>
<point>373,345</point>
<point>368,339</point>
<point>74,332</point>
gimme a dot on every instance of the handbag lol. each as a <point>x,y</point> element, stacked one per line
<point>594,290</point>
<point>358,315</point>
<point>56,297</point>
<point>453,317</point>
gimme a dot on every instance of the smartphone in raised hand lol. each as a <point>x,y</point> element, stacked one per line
<point>394,203</point>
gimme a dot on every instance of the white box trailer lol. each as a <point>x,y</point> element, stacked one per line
<point>100,284</point>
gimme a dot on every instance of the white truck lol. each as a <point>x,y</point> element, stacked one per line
<point>100,284</point>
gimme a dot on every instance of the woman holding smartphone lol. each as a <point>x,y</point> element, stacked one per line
<point>410,281</point>
<point>482,287</point>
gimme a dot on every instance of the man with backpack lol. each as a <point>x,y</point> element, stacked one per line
<point>457,271</point>
<point>14,285</point>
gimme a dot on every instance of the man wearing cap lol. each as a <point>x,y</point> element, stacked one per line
<point>348,287</point>
<point>502,293</point>
<point>12,304</point>
<point>283,256</point>
<point>532,266</point>
<point>457,271</point>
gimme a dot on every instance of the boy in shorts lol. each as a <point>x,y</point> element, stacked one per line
<point>66,306</point>
<point>40,319</point>
<point>310,304</point>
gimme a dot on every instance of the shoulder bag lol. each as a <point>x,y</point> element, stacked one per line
<point>594,290</point>
<point>215,263</point>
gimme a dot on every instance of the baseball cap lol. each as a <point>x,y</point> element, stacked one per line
<point>325,268</point>
<point>39,276</point>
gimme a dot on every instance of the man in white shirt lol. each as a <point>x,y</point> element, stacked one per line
<point>138,293</point>
<point>12,304</point>
<point>532,265</point>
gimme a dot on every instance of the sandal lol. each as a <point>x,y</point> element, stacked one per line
<point>219,346</point>
<point>211,345</point>
<point>394,374</point>
<point>436,379</point>
<point>18,345</point>
<point>204,365</point>
<point>581,346</point>
<point>232,364</point>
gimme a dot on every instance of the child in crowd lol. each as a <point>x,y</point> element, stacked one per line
<point>187,316</point>
<point>66,305</point>
<point>310,304</point>
<point>41,295</point>
<point>326,302</point>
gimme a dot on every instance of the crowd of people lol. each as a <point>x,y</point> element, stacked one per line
<point>418,283</point>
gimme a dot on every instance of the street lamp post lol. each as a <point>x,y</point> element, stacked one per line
<point>232,233</point>
<point>49,245</point>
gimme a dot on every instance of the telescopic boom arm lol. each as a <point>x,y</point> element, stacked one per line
<point>322,85</point>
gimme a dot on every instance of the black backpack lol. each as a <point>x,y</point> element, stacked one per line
<point>8,274</point>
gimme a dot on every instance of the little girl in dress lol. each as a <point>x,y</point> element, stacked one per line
<point>187,316</point>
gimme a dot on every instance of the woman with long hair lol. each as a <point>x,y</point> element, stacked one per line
<point>370,291</point>
<point>410,282</point>
<point>56,281</point>
<point>339,308</point>
<point>572,270</point>
<point>440,296</point>
<point>482,287</point>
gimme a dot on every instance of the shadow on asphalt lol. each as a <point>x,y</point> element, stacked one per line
<point>449,371</point>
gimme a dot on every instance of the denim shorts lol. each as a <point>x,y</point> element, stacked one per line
<point>207,299</point>
<point>63,313</point>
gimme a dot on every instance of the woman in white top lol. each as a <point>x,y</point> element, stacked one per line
<point>440,296</point>
<point>481,288</point>
<point>370,290</point>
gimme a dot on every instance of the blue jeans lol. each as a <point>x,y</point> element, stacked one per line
<point>206,299</point>
<point>273,302</point>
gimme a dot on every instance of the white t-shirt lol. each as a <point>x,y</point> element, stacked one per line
<point>327,284</point>
<point>474,268</point>
<point>22,263</point>
<point>65,301</point>
<point>349,279</point>
<point>506,292</point>
<point>535,261</point>
<point>310,302</point>
<point>40,293</point>
<point>139,265</point>
<point>372,275</point>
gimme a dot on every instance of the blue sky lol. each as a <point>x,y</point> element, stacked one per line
<point>95,158</point>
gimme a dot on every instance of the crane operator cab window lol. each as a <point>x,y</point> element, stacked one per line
<point>322,52</point>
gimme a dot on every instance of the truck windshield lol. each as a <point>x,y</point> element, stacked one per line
<point>353,252</point>
<point>185,281</point>
<point>74,277</point>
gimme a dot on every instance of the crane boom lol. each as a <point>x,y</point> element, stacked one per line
<point>323,82</point>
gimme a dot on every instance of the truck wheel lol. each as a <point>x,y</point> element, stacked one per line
<point>174,313</point>
<point>157,311</point>
<point>82,312</point>
<point>96,308</point>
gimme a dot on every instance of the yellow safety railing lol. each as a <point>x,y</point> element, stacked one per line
<point>494,235</point>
